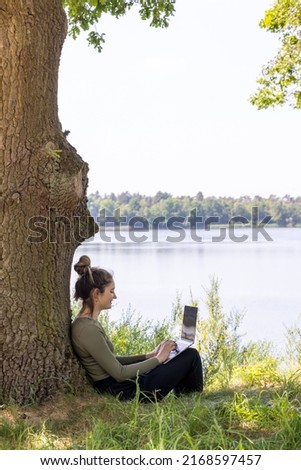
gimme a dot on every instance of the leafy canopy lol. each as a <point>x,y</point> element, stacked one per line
<point>84,15</point>
<point>280,82</point>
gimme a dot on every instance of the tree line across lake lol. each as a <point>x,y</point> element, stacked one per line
<point>121,208</point>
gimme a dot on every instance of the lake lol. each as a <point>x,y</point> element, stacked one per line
<point>259,277</point>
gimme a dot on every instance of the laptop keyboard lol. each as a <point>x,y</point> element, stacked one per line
<point>180,346</point>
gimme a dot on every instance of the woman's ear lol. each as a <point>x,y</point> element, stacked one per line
<point>95,292</point>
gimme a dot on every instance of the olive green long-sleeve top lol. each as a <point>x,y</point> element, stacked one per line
<point>96,353</point>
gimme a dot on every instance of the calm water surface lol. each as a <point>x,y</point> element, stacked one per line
<point>260,278</point>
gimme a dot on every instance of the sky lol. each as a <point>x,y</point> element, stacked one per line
<point>168,110</point>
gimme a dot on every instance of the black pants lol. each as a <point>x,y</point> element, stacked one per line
<point>184,374</point>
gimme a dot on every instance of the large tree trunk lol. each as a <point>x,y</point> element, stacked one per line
<point>44,204</point>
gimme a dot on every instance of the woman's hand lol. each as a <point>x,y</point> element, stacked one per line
<point>164,349</point>
<point>155,351</point>
<point>157,348</point>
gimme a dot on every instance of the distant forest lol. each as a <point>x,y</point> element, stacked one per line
<point>121,208</point>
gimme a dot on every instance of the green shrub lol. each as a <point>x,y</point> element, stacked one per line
<point>133,335</point>
<point>293,347</point>
<point>263,373</point>
<point>217,339</point>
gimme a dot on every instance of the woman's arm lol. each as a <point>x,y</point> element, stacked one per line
<point>95,344</point>
<point>132,359</point>
<point>143,357</point>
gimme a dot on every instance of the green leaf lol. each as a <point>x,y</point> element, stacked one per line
<point>282,75</point>
<point>83,15</point>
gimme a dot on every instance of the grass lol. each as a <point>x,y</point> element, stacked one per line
<point>251,400</point>
<point>245,419</point>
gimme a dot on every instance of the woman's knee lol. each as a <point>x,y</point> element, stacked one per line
<point>194,359</point>
<point>193,354</point>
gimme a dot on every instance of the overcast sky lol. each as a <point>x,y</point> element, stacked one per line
<point>169,109</point>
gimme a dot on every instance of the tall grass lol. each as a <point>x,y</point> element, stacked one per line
<point>257,419</point>
<point>252,398</point>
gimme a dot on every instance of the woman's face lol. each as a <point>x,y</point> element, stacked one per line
<point>106,297</point>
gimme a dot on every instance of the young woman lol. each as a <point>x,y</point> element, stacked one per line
<point>123,375</point>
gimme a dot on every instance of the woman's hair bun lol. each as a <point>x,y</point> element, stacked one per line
<point>82,265</point>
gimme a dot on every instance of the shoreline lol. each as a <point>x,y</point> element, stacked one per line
<point>128,228</point>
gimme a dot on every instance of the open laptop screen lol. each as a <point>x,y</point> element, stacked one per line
<point>189,323</point>
<point>187,331</point>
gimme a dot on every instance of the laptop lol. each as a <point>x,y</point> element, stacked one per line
<point>187,332</point>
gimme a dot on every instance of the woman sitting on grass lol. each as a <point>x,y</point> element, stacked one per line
<point>122,375</point>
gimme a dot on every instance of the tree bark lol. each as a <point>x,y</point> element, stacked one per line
<point>43,210</point>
